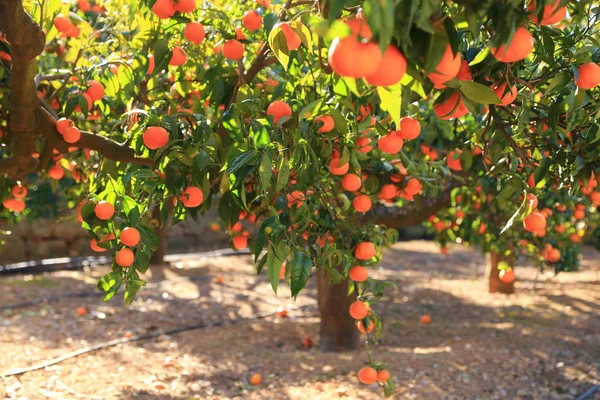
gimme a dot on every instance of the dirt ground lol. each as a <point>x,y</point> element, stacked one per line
<point>541,343</point>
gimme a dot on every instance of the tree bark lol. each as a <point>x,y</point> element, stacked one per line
<point>495,284</point>
<point>338,328</point>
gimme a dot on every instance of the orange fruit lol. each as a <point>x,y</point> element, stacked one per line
<point>453,160</point>
<point>56,172</point>
<point>362,203</point>
<point>292,39</point>
<point>240,242</point>
<point>579,214</point>
<point>464,74</point>
<point>252,20</point>
<point>104,210</point>
<point>447,68</point>
<point>179,57</point>
<point>410,128</point>
<point>507,276</point>
<point>383,375</point>
<point>124,257</point>
<point>130,236</point>
<point>534,222</point>
<point>351,182</point>
<point>233,49</point>
<point>390,70</point>
<point>390,143</point>
<point>84,5</point>
<point>361,326</point>
<point>425,319</point>
<point>255,379</point>
<point>500,90</point>
<point>163,9</point>
<point>282,272</point>
<point>151,65</point>
<point>589,76</point>
<point>279,109</point>
<point>71,134</point>
<point>14,205</point>
<point>155,137</point>
<point>63,124</point>
<point>349,57</point>
<point>327,123</point>
<point>519,48</point>
<point>62,23</point>
<point>452,107</point>
<point>388,191</point>
<point>95,90</point>
<point>358,273</point>
<point>19,191</point>
<point>532,201</point>
<point>95,247</point>
<point>360,28</point>
<point>551,14</point>
<point>296,198</point>
<point>363,144</point>
<point>337,168</point>
<point>367,375</point>
<point>82,311</point>
<point>194,32</point>
<point>365,251</point>
<point>192,197</point>
<point>185,6</point>
<point>358,310</point>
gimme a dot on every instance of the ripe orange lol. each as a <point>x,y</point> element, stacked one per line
<point>358,310</point>
<point>532,201</point>
<point>14,205</point>
<point>151,65</point>
<point>358,273</point>
<point>327,123</point>
<point>63,124</point>
<point>464,74</point>
<point>130,236</point>
<point>509,97</point>
<point>104,210</point>
<point>388,191</point>
<point>292,39</point>
<point>361,326</point>
<point>296,198</point>
<point>551,14</point>
<point>413,187</point>
<point>72,134</point>
<point>84,5</point>
<point>279,109</point>
<point>163,9</point>
<point>179,57</point>
<point>383,375</point>
<point>579,214</point>
<point>233,49</point>
<point>534,222</point>
<point>390,143</point>
<point>194,32</point>
<point>62,23</point>
<point>82,311</point>
<point>252,20</point>
<point>185,6</point>
<point>507,276</point>
<point>192,197</point>
<point>447,68</point>
<point>95,247</point>
<point>589,76</point>
<point>125,257</point>
<point>410,128</point>
<point>519,48</point>
<point>363,144</point>
<point>362,203</point>
<point>155,137</point>
<point>349,57</point>
<point>360,28</point>
<point>19,191</point>
<point>56,172</point>
<point>367,375</point>
<point>255,379</point>
<point>365,251</point>
<point>337,168</point>
<point>453,160</point>
<point>351,182</point>
<point>425,319</point>
<point>95,90</point>
<point>390,70</point>
<point>445,109</point>
<point>240,242</point>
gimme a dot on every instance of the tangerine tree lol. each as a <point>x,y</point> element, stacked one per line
<point>325,123</point>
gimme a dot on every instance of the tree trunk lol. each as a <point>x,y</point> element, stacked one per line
<point>338,328</point>
<point>158,258</point>
<point>495,284</point>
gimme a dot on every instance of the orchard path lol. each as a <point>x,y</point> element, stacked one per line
<point>542,343</point>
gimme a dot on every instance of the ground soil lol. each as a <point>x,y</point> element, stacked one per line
<point>541,343</point>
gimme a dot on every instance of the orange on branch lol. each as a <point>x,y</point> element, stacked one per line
<point>453,160</point>
<point>358,310</point>
<point>365,251</point>
<point>240,242</point>
<point>361,327</point>
<point>185,6</point>
<point>358,273</point>
<point>194,32</point>
<point>351,182</point>
<point>534,222</point>
<point>519,48</point>
<point>390,70</point>
<point>509,97</point>
<point>252,20</point>
<point>104,210</point>
<point>164,9</point>
<point>178,58</point>
<point>125,257</point>
<point>130,237</point>
<point>72,134</point>
<point>279,109</point>
<point>367,375</point>
<point>292,39</point>
<point>95,90</point>
<point>56,172</point>
<point>589,76</point>
<point>19,191</point>
<point>390,143</point>
<point>351,58</point>
<point>327,123</point>
<point>155,137</point>
<point>447,68</point>
<point>362,203</point>
<point>233,49</point>
<point>192,197</point>
<point>383,375</point>
<point>337,167</point>
<point>410,128</point>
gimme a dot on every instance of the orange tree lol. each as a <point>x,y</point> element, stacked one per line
<point>323,122</point>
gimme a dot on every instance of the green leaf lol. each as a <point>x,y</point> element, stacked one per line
<point>110,284</point>
<point>242,160</point>
<point>265,171</point>
<point>391,100</point>
<point>149,237</point>
<point>275,258</point>
<point>278,46</point>
<point>301,267</point>
<point>284,175</point>
<point>542,170</point>
<point>480,56</point>
<point>478,93</point>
